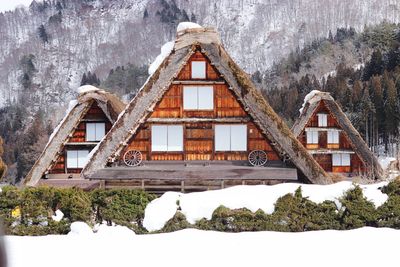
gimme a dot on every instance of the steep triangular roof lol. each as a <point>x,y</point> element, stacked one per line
<point>311,104</point>
<point>111,105</point>
<point>239,82</point>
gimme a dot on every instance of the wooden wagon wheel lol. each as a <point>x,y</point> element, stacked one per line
<point>257,158</point>
<point>132,158</point>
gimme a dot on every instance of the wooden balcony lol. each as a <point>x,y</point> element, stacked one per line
<point>161,176</point>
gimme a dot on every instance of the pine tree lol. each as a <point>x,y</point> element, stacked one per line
<point>375,66</point>
<point>43,34</point>
<point>392,115</point>
<point>84,79</point>
<point>3,167</point>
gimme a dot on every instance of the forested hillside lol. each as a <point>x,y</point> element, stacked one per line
<point>52,47</point>
<point>364,79</point>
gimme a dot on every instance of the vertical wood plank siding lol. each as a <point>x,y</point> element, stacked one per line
<point>199,137</point>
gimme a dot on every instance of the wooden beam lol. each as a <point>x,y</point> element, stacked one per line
<point>198,82</point>
<point>193,120</point>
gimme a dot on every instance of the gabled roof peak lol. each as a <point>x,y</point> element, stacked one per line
<point>190,36</point>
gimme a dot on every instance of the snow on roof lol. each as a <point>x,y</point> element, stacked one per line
<point>196,206</point>
<point>166,49</point>
<point>308,98</point>
<point>86,88</point>
<point>71,106</point>
<point>187,25</point>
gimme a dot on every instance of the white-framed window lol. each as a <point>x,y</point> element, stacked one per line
<point>95,131</point>
<point>333,137</point>
<point>312,137</point>
<point>167,138</point>
<point>198,69</point>
<point>322,120</point>
<point>340,159</point>
<point>231,137</point>
<point>77,159</point>
<point>198,97</point>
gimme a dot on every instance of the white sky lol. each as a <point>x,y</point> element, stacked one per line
<point>6,5</point>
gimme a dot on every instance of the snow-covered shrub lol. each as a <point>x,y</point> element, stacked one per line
<point>176,223</point>
<point>74,203</point>
<point>389,212</point>
<point>237,220</point>
<point>295,213</point>
<point>357,211</point>
<point>30,211</point>
<point>122,206</point>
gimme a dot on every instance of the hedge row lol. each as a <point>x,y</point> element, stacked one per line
<point>295,213</point>
<point>29,211</point>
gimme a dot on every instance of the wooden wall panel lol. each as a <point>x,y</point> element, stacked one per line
<point>211,72</point>
<point>59,166</point>
<point>325,160</point>
<point>94,114</point>
<point>226,103</point>
<point>199,144</point>
<point>199,137</point>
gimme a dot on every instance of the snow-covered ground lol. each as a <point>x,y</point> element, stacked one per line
<point>196,206</point>
<point>116,247</point>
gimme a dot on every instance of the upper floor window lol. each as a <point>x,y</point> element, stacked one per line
<point>341,160</point>
<point>77,159</point>
<point>333,137</point>
<point>198,69</point>
<point>95,131</point>
<point>231,137</point>
<point>322,120</point>
<point>167,138</point>
<point>198,97</point>
<point>312,137</point>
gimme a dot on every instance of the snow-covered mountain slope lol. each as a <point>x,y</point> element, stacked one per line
<point>97,35</point>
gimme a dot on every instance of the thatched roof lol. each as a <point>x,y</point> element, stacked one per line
<point>359,146</point>
<point>111,105</point>
<point>238,81</point>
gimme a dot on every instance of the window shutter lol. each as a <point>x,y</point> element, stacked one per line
<point>198,69</point>
<point>90,132</point>
<point>175,138</point>
<point>222,137</point>
<point>82,158</point>
<point>205,97</point>
<point>336,160</point>
<point>100,130</point>
<point>190,97</point>
<point>159,138</point>
<point>72,159</point>
<point>345,159</point>
<point>238,138</point>
<point>322,120</point>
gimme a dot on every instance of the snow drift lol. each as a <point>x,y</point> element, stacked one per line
<point>196,206</point>
<point>361,247</point>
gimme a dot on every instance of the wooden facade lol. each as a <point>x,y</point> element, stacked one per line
<point>196,122</point>
<point>199,125</point>
<point>77,140</point>
<point>323,150</point>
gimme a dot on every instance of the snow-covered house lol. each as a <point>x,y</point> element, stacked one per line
<point>86,122</point>
<point>199,123</point>
<point>324,129</point>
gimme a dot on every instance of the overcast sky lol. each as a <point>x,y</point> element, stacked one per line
<point>6,5</point>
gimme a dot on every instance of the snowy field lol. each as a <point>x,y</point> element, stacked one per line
<point>117,247</point>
